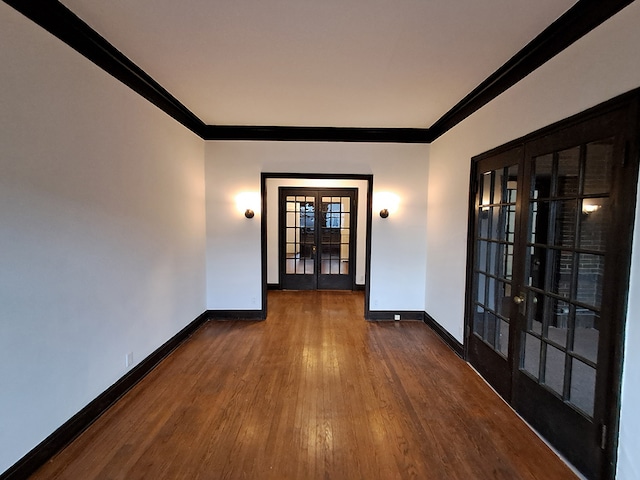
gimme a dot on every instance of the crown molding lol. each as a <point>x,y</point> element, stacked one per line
<point>575,23</point>
<point>579,20</point>
<point>66,26</point>
<point>316,134</point>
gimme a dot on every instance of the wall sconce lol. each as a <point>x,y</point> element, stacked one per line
<point>386,203</point>
<point>247,203</point>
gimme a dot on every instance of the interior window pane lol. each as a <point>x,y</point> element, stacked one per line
<point>537,266</point>
<point>568,169</point>
<point>291,219</point>
<point>483,222</point>
<point>503,339</point>
<point>554,369</point>
<point>346,204</point>
<point>565,224</point>
<point>531,357</point>
<point>481,287</point>
<point>344,252</point>
<point>497,224</point>
<point>586,334</point>
<point>512,184</point>
<point>542,169</point>
<point>558,321</point>
<point>598,167</point>
<point>539,222</point>
<point>293,236</point>
<point>290,266</point>
<point>325,267</point>
<point>583,386</point>
<point>503,304</point>
<point>508,262</point>
<point>482,255</point>
<point>478,321</point>
<point>500,186</point>
<point>344,267</point>
<point>485,198</point>
<point>490,329</point>
<point>345,220</point>
<point>510,223</point>
<point>590,274</point>
<point>492,293</point>
<point>492,266</point>
<point>562,266</point>
<point>594,224</point>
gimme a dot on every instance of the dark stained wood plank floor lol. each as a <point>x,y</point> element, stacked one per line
<point>313,392</point>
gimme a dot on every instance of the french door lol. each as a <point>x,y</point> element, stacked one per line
<point>552,223</point>
<point>317,238</point>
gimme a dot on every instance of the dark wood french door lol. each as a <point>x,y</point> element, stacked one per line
<point>552,225</point>
<point>317,238</point>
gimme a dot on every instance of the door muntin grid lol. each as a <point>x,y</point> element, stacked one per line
<point>493,272</point>
<point>300,227</point>
<point>568,223</point>
<point>302,247</point>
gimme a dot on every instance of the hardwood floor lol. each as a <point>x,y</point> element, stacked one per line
<point>313,392</point>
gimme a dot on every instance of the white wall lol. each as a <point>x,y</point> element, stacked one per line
<point>102,232</point>
<point>233,242</point>
<point>628,461</point>
<point>598,67</point>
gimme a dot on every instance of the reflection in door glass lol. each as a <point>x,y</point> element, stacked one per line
<point>568,227</point>
<point>554,369</point>
<point>568,169</point>
<point>496,208</point>
<point>564,229</point>
<point>478,321</point>
<point>595,216</point>
<point>335,235</point>
<point>583,386</point>
<point>598,167</point>
<point>299,235</point>
<point>531,360</point>
<point>585,341</point>
<point>555,331</point>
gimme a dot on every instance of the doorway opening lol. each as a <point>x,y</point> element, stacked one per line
<point>336,221</point>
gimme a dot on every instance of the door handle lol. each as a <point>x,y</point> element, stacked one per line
<point>313,249</point>
<point>518,299</point>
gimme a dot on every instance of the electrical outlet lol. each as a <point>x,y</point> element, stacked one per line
<point>128,361</point>
<point>396,317</point>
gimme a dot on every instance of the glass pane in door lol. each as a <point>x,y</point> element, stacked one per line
<point>496,214</point>
<point>335,228</point>
<point>300,235</point>
<point>568,226</point>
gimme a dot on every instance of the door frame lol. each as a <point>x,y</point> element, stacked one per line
<point>264,176</point>
<point>629,103</point>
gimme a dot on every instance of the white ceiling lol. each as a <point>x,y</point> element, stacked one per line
<point>340,63</point>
